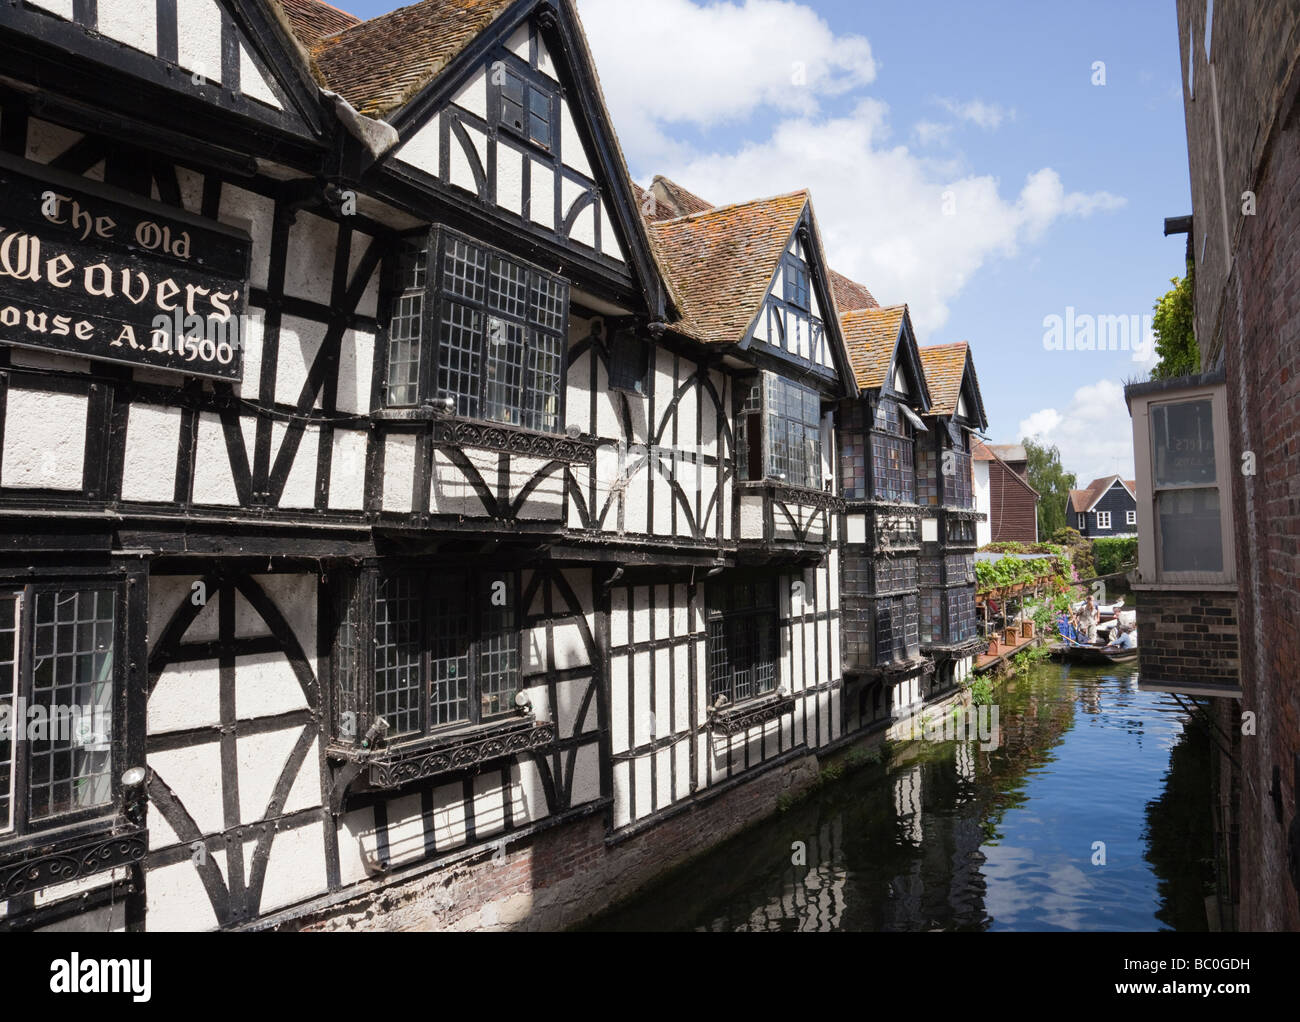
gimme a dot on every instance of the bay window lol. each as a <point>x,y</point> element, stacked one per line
<point>779,431</point>
<point>1184,480</point>
<point>426,651</point>
<point>477,330</point>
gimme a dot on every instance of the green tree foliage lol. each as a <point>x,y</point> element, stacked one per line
<point>1113,553</point>
<point>1080,550</point>
<point>1174,326</point>
<point>1048,476</point>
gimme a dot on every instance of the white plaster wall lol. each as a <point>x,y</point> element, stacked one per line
<point>198,37</point>
<point>45,440</point>
<point>129,22</point>
<point>253,84</point>
<point>152,437</point>
<point>422,150</point>
<point>984,529</point>
<point>348,470</point>
<point>255,214</point>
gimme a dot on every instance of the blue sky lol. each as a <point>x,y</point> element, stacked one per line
<point>960,159</point>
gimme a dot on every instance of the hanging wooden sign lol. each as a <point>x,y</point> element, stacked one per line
<point>97,272</point>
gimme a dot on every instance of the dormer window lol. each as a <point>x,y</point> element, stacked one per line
<point>524,107</point>
<point>475,332</point>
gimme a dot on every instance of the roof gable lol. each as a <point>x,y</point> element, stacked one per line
<point>950,374</point>
<point>720,263</point>
<point>443,88</point>
<point>1084,500</point>
<point>881,343</point>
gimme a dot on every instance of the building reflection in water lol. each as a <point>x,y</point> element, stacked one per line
<point>916,844</point>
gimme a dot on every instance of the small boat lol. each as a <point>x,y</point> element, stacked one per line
<point>1075,649</point>
<point>1093,654</point>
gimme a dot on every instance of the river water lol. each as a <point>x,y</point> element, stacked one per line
<point>1092,813</point>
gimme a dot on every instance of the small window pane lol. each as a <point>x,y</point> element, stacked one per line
<point>459,357</point>
<point>464,270</point>
<point>1190,530</point>
<point>505,369</point>
<point>397,655</point>
<point>1184,443</point>
<point>542,383</point>
<point>498,657</point>
<point>449,658</point>
<point>71,767</point>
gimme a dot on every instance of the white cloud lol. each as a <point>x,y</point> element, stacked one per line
<point>931,132</point>
<point>1094,433</point>
<point>985,115</point>
<point>680,62</point>
<point>910,227</point>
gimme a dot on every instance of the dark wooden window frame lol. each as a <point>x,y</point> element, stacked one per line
<point>722,621</point>
<point>754,461</point>
<point>354,601</point>
<point>435,354</point>
<point>533,84</point>
<point>126,743</point>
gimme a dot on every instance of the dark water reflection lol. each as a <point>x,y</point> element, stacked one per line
<point>947,836</point>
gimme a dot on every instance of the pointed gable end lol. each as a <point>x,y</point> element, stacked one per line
<point>883,352</point>
<point>499,112</point>
<point>954,388</point>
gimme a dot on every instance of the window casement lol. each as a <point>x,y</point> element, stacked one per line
<point>795,282</point>
<point>1083,522</point>
<point>62,706</point>
<point>475,330</point>
<point>1188,489</point>
<point>524,106</point>
<point>893,454</point>
<point>779,434</point>
<point>1130,517</point>
<point>742,638</point>
<point>1103,519</point>
<point>897,630</point>
<point>430,652</point>
<point>630,363</point>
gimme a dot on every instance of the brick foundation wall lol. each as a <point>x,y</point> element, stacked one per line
<point>561,876</point>
<point>1188,636</point>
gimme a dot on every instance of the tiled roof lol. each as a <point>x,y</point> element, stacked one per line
<point>1081,500</point>
<point>850,295</point>
<point>312,20</point>
<point>944,366</point>
<point>377,65</point>
<point>719,263</point>
<point>994,453</point>
<point>871,336</point>
<point>672,201</point>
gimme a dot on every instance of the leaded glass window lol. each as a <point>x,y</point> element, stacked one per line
<point>484,334</point>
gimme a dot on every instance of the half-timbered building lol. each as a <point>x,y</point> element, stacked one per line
<point>945,489</point>
<point>879,578</point>
<point>397,494</point>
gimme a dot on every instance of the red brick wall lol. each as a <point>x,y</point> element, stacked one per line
<point>1188,635</point>
<point>1248,312</point>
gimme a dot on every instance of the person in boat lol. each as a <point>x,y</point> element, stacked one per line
<point>1088,619</point>
<point>1127,638</point>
